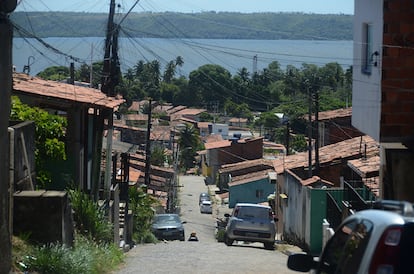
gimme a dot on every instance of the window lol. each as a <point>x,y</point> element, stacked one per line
<point>259,193</point>
<point>343,253</point>
<point>367,52</point>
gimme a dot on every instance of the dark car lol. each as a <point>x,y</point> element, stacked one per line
<point>168,227</point>
<point>204,196</point>
<point>369,241</point>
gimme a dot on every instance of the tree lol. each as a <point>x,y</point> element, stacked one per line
<point>55,73</point>
<point>158,156</point>
<point>50,136</point>
<point>189,143</point>
<point>210,83</point>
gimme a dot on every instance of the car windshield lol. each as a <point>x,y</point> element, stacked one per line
<point>167,219</point>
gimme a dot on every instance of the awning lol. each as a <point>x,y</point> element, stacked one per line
<point>283,196</point>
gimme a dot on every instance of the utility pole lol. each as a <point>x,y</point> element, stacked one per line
<point>310,132</point>
<point>287,137</point>
<point>6,86</point>
<point>317,132</point>
<point>106,73</point>
<point>148,145</point>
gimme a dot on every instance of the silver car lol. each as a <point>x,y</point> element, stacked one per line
<point>251,223</point>
<point>168,227</point>
<point>206,207</point>
<point>370,241</point>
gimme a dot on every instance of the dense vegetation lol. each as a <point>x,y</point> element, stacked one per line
<point>92,251</point>
<point>263,93</point>
<point>212,25</point>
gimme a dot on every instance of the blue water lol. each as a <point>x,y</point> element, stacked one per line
<point>231,54</point>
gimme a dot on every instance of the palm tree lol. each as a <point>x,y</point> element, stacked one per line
<point>189,142</point>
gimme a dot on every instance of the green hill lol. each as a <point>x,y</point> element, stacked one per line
<point>209,25</point>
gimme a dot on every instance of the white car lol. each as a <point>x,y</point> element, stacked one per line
<point>370,241</point>
<point>206,207</point>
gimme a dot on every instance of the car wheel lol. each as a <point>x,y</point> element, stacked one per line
<point>227,240</point>
<point>269,245</point>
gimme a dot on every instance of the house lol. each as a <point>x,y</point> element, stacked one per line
<point>247,181</point>
<point>335,126</point>
<point>227,152</point>
<point>188,113</point>
<point>86,111</point>
<point>252,188</point>
<point>383,89</point>
<point>135,120</point>
<point>303,202</point>
<point>238,122</point>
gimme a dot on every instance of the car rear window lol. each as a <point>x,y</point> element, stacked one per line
<point>252,212</point>
<point>346,248</point>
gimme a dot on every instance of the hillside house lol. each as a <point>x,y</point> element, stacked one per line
<point>302,203</point>
<point>227,152</point>
<point>247,181</point>
<point>335,126</point>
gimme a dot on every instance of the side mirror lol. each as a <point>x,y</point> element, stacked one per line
<point>301,262</point>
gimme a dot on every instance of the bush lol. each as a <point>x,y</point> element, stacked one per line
<point>220,235</point>
<point>85,257</point>
<point>141,205</point>
<point>90,219</point>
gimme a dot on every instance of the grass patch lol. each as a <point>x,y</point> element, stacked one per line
<point>85,256</point>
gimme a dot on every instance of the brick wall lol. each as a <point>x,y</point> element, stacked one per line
<point>397,111</point>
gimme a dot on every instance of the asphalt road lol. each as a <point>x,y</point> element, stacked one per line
<point>207,255</point>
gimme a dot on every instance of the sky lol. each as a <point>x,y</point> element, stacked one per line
<point>193,6</point>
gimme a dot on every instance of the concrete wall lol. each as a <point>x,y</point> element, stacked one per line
<point>23,147</point>
<point>45,216</point>
<point>366,88</point>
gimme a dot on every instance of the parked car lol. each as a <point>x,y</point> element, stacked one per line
<point>204,196</point>
<point>251,223</point>
<point>168,227</point>
<point>378,240</point>
<point>206,207</point>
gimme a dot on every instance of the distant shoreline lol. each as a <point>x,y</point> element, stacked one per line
<point>204,25</point>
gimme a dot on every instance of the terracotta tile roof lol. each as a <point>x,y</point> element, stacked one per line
<point>187,120</point>
<point>175,109</point>
<point>189,111</point>
<point>238,120</point>
<point>332,114</point>
<point>219,144</point>
<point>344,149</point>
<point>135,117</point>
<point>134,174</point>
<point>213,138</point>
<point>161,133</point>
<point>162,108</point>
<point>201,125</point>
<point>250,177</point>
<point>135,106</point>
<point>245,164</point>
<point>366,167</point>
<point>56,92</point>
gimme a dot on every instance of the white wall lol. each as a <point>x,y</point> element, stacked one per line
<point>366,89</point>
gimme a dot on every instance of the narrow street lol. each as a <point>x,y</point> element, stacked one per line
<point>207,255</point>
